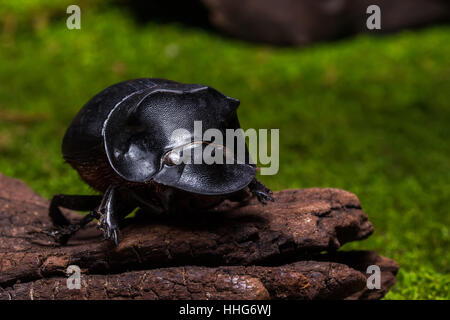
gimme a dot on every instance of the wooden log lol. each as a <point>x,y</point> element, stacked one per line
<point>233,252</point>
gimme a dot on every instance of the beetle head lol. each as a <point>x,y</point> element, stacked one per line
<point>146,134</point>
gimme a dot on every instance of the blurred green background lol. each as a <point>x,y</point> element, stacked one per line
<point>367,114</point>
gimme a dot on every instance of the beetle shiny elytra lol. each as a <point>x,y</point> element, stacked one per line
<point>119,142</point>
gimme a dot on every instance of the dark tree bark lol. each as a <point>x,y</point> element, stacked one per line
<point>285,250</point>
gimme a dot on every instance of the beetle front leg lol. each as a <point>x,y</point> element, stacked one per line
<point>260,191</point>
<point>110,215</point>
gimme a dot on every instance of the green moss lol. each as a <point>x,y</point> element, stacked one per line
<point>368,114</point>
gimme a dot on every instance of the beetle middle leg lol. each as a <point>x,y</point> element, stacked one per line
<point>72,202</point>
<point>64,228</point>
<point>63,234</point>
<point>107,208</point>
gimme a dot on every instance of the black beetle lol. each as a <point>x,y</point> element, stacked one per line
<point>119,143</point>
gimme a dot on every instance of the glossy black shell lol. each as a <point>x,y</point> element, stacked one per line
<point>122,133</point>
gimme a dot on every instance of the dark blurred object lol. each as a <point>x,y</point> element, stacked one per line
<point>301,22</point>
<point>192,12</point>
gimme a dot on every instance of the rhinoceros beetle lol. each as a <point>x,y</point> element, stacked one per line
<point>119,142</point>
